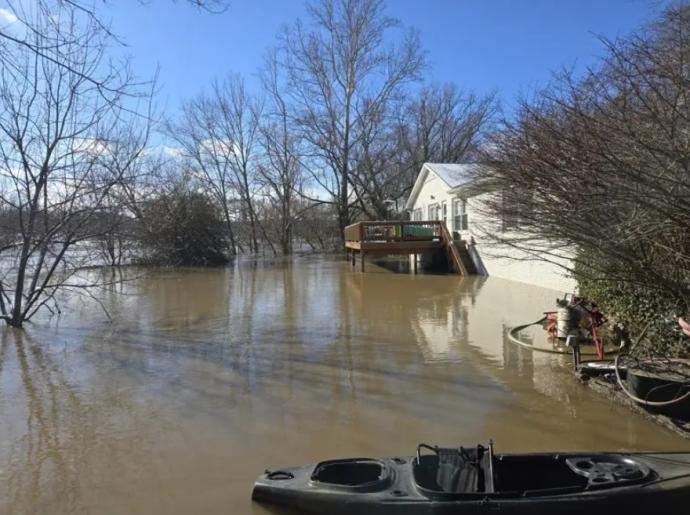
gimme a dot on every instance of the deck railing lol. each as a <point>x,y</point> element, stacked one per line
<point>394,231</point>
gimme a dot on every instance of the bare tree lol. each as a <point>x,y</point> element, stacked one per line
<point>121,215</point>
<point>281,172</point>
<point>601,165</point>
<point>444,124</point>
<point>23,13</point>
<point>56,125</point>
<point>339,68</point>
<point>375,179</point>
<point>210,154</point>
<point>438,124</point>
<point>218,135</point>
<point>239,126</point>
<point>317,227</point>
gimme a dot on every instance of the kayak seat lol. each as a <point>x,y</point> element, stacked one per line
<point>455,473</point>
<point>450,471</point>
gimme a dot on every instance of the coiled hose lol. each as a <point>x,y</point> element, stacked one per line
<point>512,336</point>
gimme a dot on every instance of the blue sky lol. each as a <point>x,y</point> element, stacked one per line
<point>507,46</point>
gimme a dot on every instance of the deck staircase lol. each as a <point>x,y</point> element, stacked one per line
<point>465,257</point>
<point>459,259</point>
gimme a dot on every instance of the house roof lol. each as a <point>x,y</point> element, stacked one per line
<point>453,174</point>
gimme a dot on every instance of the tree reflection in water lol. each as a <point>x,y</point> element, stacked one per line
<point>204,378</point>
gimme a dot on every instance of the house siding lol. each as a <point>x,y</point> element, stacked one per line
<point>434,191</point>
<point>507,262</point>
<point>491,258</point>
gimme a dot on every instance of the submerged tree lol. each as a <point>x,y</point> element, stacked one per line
<point>218,136</point>
<point>281,171</point>
<point>182,225</point>
<point>57,126</point>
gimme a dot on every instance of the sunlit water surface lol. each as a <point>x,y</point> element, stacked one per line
<point>204,378</point>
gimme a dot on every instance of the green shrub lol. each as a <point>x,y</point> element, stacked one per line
<point>642,310</point>
<point>183,228</point>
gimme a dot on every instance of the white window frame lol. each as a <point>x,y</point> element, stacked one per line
<point>460,215</point>
<point>433,211</point>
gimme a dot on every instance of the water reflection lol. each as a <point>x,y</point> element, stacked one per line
<point>206,377</point>
<point>50,430</point>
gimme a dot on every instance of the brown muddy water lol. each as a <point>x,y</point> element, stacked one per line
<point>204,378</point>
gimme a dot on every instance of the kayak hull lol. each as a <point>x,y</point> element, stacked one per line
<point>396,491</point>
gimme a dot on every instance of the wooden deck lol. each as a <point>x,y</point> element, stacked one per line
<point>403,237</point>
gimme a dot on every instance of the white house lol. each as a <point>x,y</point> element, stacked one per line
<point>448,192</point>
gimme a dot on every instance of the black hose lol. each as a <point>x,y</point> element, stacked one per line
<point>643,401</point>
<point>512,336</point>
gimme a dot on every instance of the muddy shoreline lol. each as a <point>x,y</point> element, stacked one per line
<point>608,388</point>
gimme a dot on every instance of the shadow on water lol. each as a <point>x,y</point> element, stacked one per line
<point>401,264</point>
<point>206,377</point>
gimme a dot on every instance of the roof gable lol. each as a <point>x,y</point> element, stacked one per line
<point>452,174</point>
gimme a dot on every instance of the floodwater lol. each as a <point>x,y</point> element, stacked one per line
<point>204,378</point>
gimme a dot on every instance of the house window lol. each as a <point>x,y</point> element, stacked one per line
<point>417,215</point>
<point>444,211</point>
<point>460,214</point>
<point>433,212</point>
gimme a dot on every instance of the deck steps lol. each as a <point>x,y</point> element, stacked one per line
<point>459,260</point>
<point>464,253</point>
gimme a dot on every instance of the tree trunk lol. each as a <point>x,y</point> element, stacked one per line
<point>228,225</point>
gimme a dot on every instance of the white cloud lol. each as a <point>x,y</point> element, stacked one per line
<point>90,146</point>
<point>163,151</point>
<point>217,146</point>
<point>7,16</point>
<point>173,151</point>
<point>316,192</point>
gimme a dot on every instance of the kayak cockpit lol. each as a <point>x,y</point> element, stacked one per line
<point>550,474</point>
<point>453,471</point>
<point>357,474</point>
<point>459,473</point>
<point>536,474</point>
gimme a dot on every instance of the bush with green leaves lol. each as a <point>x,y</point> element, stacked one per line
<point>648,314</point>
<point>183,227</point>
